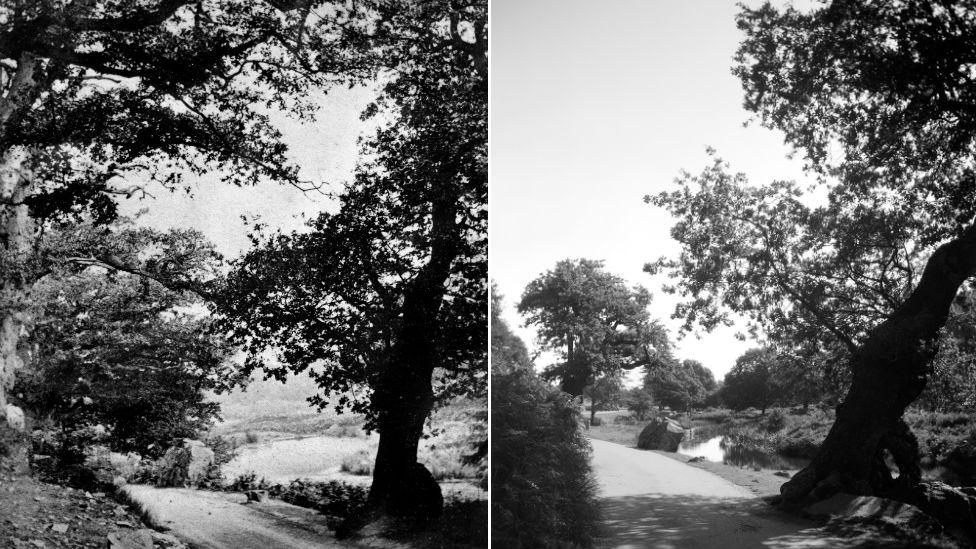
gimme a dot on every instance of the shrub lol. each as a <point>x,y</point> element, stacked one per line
<point>624,420</point>
<point>775,421</point>
<point>336,500</point>
<point>250,438</point>
<point>543,493</point>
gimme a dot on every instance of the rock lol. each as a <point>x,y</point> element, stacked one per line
<point>15,418</point>
<point>60,528</point>
<point>874,509</point>
<point>166,541</point>
<point>185,464</point>
<point>783,474</point>
<point>696,459</point>
<point>661,434</point>
<point>256,496</point>
<point>131,539</point>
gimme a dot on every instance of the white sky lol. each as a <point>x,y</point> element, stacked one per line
<point>326,150</point>
<point>595,104</point>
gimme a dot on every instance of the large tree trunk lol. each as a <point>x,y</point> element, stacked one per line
<point>16,227</point>
<point>16,232</point>
<point>890,370</point>
<point>403,395</point>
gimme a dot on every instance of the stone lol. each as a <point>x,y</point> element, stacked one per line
<point>131,539</point>
<point>783,474</point>
<point>696,459</point>
<point>256,496</point>
<point>15,418</point>
<point>185,464</point>
<point>873,509</point>
<point>60,528</point>
<point>661,434</point>
<point>166,541</point>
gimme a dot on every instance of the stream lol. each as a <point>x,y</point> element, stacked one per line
<point>713,444</point>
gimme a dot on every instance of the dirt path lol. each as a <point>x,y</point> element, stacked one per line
<point>215,520</point>
<point>651,501</point>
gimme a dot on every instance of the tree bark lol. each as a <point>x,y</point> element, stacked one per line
<point>889,373</point>
<point>16,231</point>
<point>403,395</point>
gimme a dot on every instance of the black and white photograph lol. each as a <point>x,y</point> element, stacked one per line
<point>244,274</point>
<point>732,262</point>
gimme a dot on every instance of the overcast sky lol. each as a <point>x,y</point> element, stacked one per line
<point>595,104</point>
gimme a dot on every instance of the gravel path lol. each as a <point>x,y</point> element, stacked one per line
<point>651,501</point>
<point>216,520</point>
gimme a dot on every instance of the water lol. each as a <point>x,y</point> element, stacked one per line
<point>712,444</point>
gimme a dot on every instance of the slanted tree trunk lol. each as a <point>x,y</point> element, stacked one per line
<point>890,370</point>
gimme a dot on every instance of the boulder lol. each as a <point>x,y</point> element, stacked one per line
<point>185,464</point>
<point>166,541</point>
<point>131,539</point>
<point>661,434</point>
<point>870,509</point>
<point>15,418</point>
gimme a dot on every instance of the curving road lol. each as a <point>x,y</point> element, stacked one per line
<point>651,501</point>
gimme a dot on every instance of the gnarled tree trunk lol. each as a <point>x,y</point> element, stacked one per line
<point>890,370</point>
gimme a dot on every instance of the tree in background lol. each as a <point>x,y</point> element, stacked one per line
<point>108,98</point>
<point>877,98</point>
<point>385,300</point>
<point>603,393</point>
<point>750,382</point>
<point>595,322</point>
<point>639,401</point>
<point>950,387</point>
<point>543,493</point>
<point>679,385</point>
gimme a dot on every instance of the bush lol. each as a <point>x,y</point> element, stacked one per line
<point>336,500</point>
<point>250,438</point>
<point>775,421</point>
<point>543,493</point>
<point>625,420</point>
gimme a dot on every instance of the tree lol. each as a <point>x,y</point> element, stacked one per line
<point>110,98</point>
<point>639,402</point>
<point>679,384</point>
<point>950,387</point>
<point>603,393</point>
<point>593,319</point>
<point>124,352</point>
<point>749,384</point>
<point>876,97</point>
<point>385,299</point>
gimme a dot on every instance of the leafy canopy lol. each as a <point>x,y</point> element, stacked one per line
<point>593,319</point>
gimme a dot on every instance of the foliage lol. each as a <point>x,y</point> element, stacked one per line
<point>107,91</point>
<point>679,385</point>
<point>123,352</point>
<point>950,387</point>
<point>331,299</point>
<point>595,321</point>
<point>750,383</point>
<point>604,392</point>
<point>337,500</point>
<point>639,401</point>
<point>508,351</point>
<point>543,493</point>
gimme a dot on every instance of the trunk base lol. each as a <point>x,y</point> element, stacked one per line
<point>414,501</point>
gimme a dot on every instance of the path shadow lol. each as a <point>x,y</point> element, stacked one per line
<point>678,522</point>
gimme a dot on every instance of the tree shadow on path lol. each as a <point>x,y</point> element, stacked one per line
<point>688,521</point>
